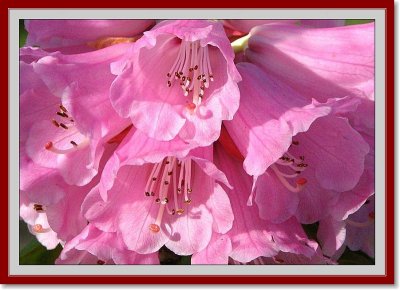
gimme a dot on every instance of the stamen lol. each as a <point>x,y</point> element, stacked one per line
<point>62,108</point>
<point>50,147</point>
<point>164,177</point>
<point>193,68</point>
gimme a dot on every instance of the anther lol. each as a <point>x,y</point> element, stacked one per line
<point>170,173</point>
<point>63,109</point>
<point>147,193</point>
<point>165,201</point>
<point>74,143</point>
<point>55,123</point>
<point>100,262</point>
<point>158,200</point>
<point>63,126</point>
<point>180,211</point>
<point>188,201</point>
<point>38,207</point>
<point>166,182</point>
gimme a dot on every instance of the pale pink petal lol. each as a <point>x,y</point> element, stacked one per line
<point>249,235</point>
<point>191,232</point>
<point>217,251</point>
<point>319,63</point>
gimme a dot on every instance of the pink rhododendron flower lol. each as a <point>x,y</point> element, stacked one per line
<point>62,129</point>
<point>179,80</point>
<point>157,193</point>
<point>77,36</point>
<point>250,236</point>
<point>130,142</point>
<point>288,140</point>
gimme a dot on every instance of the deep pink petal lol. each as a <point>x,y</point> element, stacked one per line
<point>331,235</point>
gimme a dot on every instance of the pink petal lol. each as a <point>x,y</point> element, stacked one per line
<point>276,202</point>
<point>321,61</point>
<point>62,34</point>
<point>249,234</point>
<point>290,237</point>
<point>335,150</point>
<point>217,251</point>
<point>331,235</point>
<point>192,230</point>
<point>163,112</point>
<point>269,115</point>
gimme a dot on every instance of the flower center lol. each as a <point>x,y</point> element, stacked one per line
<point>293,168</point>
<point>65,122</point>
<point>192,69</point>
<point>177,173</point>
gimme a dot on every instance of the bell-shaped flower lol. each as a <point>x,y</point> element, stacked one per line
<point>250,236</point>
<point>304,154</point>
<point>178,80</point>
<point>66,115</point>
<point>156,193</point>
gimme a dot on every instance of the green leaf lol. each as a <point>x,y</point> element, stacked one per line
<point>22,33</point>
<point>357,21</point>
<point>32,252</point>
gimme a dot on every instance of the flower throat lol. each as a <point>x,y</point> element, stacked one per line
<point>177,173</point>
<point>192,69</point>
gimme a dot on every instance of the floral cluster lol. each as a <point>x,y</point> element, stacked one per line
<point>216,139</point>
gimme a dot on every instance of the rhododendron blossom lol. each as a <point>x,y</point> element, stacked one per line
<point>229,141</point>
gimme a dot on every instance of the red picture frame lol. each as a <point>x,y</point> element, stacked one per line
<point>387,278</point>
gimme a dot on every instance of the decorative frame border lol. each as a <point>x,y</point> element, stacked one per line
<point>388,278</point>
